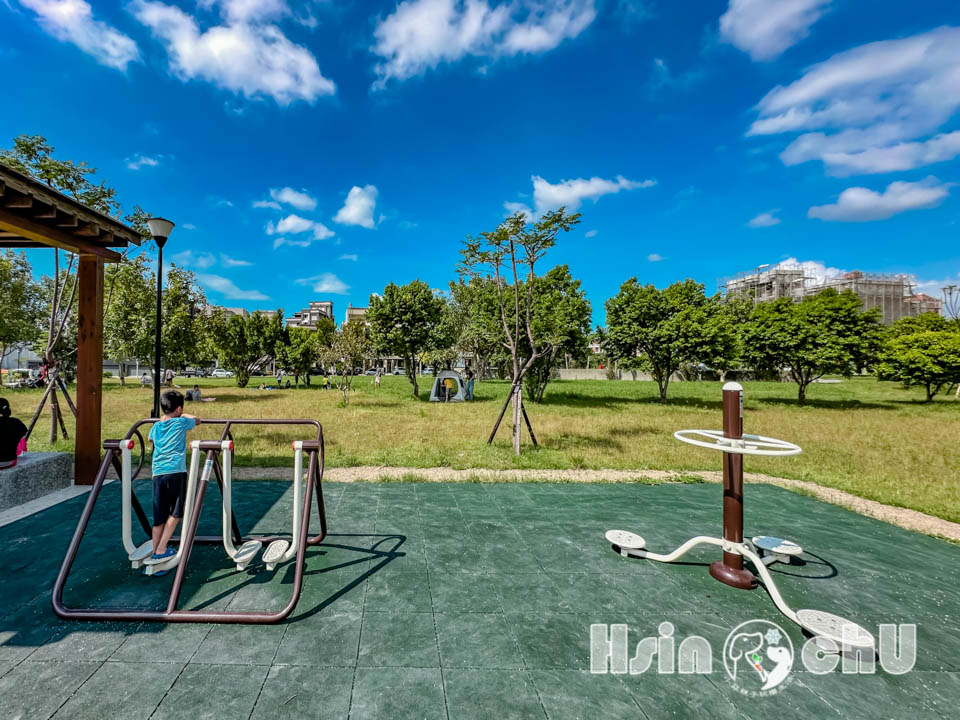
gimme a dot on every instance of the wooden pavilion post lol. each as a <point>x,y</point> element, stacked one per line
<point>89,368</point>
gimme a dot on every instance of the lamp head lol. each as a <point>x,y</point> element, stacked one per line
<point>160,229</point>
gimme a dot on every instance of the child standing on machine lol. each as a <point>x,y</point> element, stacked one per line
<point>169,438</point>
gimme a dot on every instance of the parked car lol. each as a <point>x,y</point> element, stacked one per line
<point>193,372</point>
<point>371,371</point>
<point>221,373</point>
<point>427,370</point>
<point>399,371</point>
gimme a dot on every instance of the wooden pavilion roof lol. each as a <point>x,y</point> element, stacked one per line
<point>33,215</point>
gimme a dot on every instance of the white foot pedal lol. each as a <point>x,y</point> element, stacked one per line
<point>246,553</point>
<point>625,540</point>
<point>776,545</point>
<point>844,633</point>
<point>274,553</point>
<point>138,556</point>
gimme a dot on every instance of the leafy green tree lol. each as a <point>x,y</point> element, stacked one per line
<point>130,315</point>
<point>922,350</point>
<point>300,353</point>
<point>513,250</point>
<point>662,330</point>
<point>476,318</point>
<point>351,346</point>
<point>21,303</point>
<point>184,319</point>
<point>403,322</point>
<point>827,333</point>
<point>560,324</point>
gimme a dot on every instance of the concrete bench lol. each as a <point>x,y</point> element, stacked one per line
<point>35,475</point>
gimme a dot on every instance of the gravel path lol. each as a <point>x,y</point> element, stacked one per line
<point>902,517</point>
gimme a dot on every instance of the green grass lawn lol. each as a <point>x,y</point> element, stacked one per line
<point>876,440</point>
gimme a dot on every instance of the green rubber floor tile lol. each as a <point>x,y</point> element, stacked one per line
<point>463,592</point>
<point>398,693</point>
<point>683,697</point>
<point>298,693</point>
<point>398,592</point>
<point>161,643</point>
<point>213,692</point>
<point>85,641</point>
<point>235,644</point>
<point>576,695</point>
<point>842,692</point>
<point>122,691</point>
<point>451,557</point>
<point>485,694</point>
<point>337,591</point>
<point>477,640</point>
<point>940,690</point>
<point>36,689</point>
<point>321,639</point>
<point>553,640</point>
<point>529,592</point>
<point>398,640</point>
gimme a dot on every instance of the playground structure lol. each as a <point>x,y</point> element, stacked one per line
<point>832,633</point>
<point>241,550</point>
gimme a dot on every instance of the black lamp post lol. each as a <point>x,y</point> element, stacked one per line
<point>160,229</point>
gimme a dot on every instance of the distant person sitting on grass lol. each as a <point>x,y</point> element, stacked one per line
<point>169,438</point>
<point>12,436</point>
<point>194,394</point>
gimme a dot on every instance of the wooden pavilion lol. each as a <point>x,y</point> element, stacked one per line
<point>34,215</point>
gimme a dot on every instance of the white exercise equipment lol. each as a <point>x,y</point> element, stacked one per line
<point>832,632</point>
<point>152,565</point>
<point>243,555</point>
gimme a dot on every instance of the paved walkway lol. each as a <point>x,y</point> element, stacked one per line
<point>437,600</point>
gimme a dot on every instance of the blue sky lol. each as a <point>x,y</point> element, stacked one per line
<point>313,149</point>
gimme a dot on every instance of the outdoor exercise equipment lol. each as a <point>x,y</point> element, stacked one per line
<point>761,551</point>
<point>218,464</point>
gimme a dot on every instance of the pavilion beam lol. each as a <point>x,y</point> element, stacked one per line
<point>89,368</point>
<point>30,229</point>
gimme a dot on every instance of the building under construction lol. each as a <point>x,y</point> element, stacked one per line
<point>893,294</point>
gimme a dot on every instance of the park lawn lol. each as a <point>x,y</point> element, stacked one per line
<point>874,439</point>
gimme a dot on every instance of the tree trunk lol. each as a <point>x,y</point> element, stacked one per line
<point>517,414</point>
<point>54,412</point>
<point>802,392</point>
<point>930,392</point>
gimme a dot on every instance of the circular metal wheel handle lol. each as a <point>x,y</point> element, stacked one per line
<point>143,456</point>
<point>747,445</point>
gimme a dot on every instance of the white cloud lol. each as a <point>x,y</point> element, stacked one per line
<point>422,34</point>
<point>325,283</point>
<point>765,28</point>
<point>358,209</point>
<point>247,55</point>
<point>513,208</point>
<point>281,241</point>
<point>349,256</point>
<point>814,271</point>
<point>294,225</point>
<point>230,262</point>
<point>570,193</point>
<point>139,161</point>
<point>874,108</point>
<point>590,233</point>
<point>764,219</point>
<point>72,21</point>
<point>189,226</point>
<point>227,288</point>
<point>272,204</point>
<point>860,204</point>
<point>299,199</point>
<point>188,258</point>
<point>654,257</point>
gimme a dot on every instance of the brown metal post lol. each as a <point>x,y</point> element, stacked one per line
<point>730,570</point>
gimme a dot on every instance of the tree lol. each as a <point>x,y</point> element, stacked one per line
<point>21,303</point>
<point>403,321</point>
<point>350,347</point>
<point>561,326</point>
<point>824,333</point>
<point>301,352</point>
<point>476,318</point>
<point>243,344</point>
<point>130,315</point>
<point>515,247</point>
<point>661,330</point>
<point>922,350</point>
<point>184,312</point>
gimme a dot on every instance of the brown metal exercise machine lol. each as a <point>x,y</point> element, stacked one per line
<point>118,454</point>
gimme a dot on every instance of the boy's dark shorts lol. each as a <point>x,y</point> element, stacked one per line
<point>169,492</point>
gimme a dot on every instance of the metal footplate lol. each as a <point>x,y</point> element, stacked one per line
<point>843,634</point>
<point>246,553</point>
<point>625,542</point>
<point>773,549</point>
<point>138,556</point>
<point>274,553</point>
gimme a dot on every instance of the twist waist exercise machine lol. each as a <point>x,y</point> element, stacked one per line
<point>761,551</point>
<point>241,550</point>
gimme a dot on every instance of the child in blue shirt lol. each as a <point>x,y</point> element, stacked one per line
<point>169,438</point>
